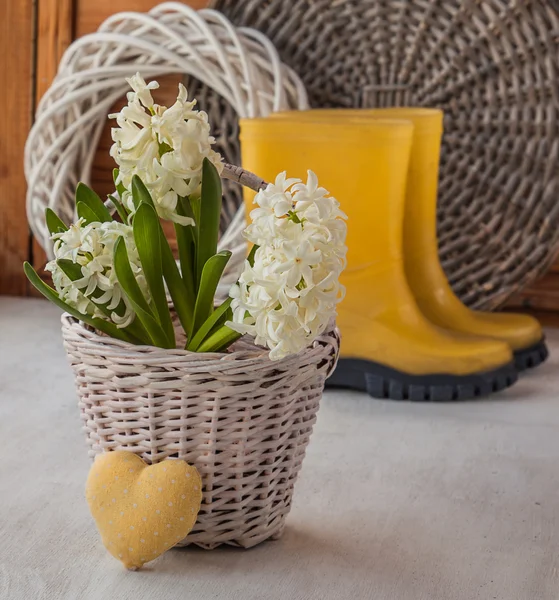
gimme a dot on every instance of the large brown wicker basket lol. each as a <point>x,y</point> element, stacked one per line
<point>492,66</point>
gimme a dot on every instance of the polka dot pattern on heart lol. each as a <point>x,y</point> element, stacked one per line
<point>142,510</point>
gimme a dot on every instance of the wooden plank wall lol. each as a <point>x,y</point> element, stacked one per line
<point>33,37</point>
<point>17,56</point>
<point>542,297</point>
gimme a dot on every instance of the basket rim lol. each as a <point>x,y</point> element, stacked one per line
<point>252,355</point>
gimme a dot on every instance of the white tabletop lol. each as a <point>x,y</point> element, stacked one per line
<point>395,500</point>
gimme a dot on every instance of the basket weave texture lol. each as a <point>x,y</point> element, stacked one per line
<point>243,420</point>
<point>492,66</point>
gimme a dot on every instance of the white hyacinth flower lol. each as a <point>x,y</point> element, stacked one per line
<point>164,146</point>
<point>142,90</point>
<point>289,295</point>
<point>91,247</point>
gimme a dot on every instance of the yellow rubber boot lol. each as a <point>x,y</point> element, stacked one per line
<point>423,269</point>
<point>389,348</point>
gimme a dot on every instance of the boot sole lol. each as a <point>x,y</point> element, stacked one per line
<point>380,381</point>
<point>531,357</point>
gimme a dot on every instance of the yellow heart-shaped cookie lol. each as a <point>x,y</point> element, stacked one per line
<point>141,511</point>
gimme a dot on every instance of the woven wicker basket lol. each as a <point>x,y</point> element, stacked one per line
<point>243,420</point>
<point>492,66</point>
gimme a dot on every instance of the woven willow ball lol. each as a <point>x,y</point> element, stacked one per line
<point>239,64</point>
<point>493,67</point>
<point>225,129</point>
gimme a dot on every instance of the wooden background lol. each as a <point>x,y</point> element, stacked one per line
<point>33,37</point>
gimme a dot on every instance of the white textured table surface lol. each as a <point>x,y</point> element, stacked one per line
<point>395,501</point>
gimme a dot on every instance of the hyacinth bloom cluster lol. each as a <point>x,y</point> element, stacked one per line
<point>164,147</point>
<point>289,289</point>
<point>115,270</point>
<point>90,246</point>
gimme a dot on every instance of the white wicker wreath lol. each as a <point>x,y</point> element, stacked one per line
<point>240,64</point>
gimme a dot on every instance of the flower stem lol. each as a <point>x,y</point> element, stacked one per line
<point>215,319</point>
<point>220,340</point>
